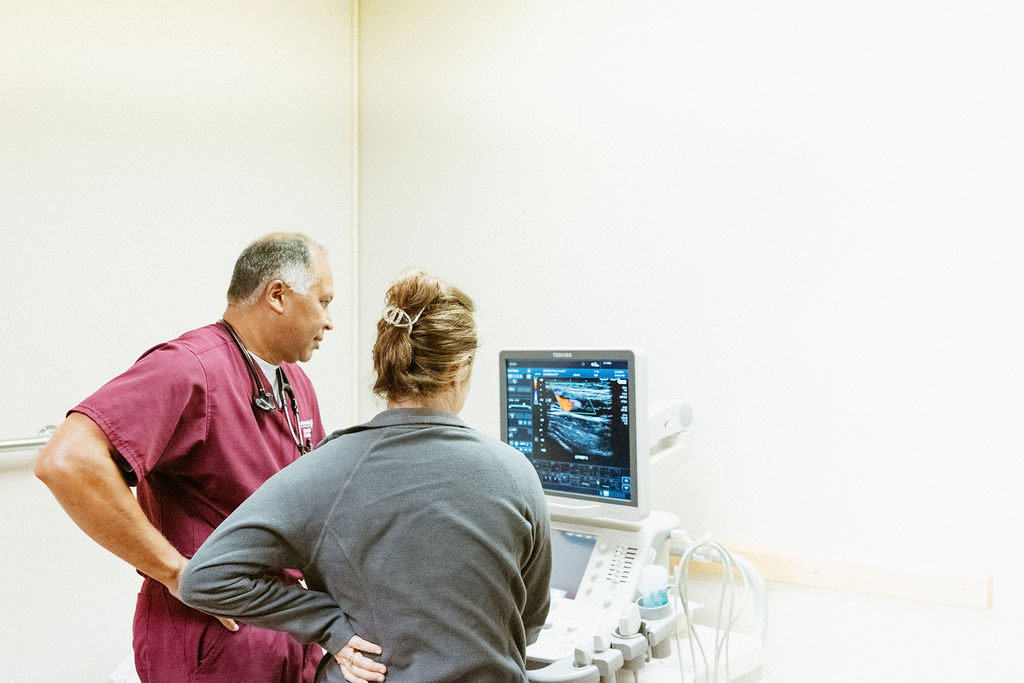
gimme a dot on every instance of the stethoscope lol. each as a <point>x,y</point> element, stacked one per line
<point>263,399</point>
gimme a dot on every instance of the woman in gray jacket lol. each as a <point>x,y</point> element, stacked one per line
<point>413,531</point>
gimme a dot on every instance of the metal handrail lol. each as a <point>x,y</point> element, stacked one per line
<point>29,443</point>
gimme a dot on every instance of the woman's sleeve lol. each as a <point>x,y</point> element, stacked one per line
<point>233,573</point>
<point>537,572</point>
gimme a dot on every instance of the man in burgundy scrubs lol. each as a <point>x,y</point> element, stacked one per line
<point>188,425</point>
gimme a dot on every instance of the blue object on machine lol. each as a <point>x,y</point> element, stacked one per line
<point>653,586</point>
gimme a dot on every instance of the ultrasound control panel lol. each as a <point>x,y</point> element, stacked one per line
<point>595,574</point>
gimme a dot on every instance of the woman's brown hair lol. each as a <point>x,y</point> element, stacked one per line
<point>425,340</point>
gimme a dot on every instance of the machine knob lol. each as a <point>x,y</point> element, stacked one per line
<point>629,620</point>
<point>582,655</point>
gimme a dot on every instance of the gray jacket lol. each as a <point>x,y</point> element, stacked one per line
<point>413,531</point>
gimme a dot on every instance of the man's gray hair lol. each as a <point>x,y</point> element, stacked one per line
<point>285,256</point>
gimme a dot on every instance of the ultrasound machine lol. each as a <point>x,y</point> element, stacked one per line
<point>581,417</point>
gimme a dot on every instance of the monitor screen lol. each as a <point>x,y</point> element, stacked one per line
<point>570,554</point>
<point>576,416</point>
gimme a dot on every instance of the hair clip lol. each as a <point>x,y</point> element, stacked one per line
<point>393,315</point>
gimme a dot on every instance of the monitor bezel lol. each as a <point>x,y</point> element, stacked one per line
<point>573,506</point>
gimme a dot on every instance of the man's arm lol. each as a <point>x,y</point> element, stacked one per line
<point>77,466</point>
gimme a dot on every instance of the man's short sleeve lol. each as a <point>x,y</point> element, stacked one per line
<point>156,411</point>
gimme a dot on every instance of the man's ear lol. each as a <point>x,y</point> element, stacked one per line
<point>274,295</point>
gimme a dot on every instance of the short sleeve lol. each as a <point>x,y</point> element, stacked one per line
<point>156,412</point>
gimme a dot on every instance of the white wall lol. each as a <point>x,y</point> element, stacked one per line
<point>143,146</point>
<point>809,214</point>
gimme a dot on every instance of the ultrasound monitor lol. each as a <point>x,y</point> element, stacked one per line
<point>579,415</point>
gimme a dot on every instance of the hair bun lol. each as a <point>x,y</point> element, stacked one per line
<point>426,362</point>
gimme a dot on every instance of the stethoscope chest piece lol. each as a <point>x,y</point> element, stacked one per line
<point>262,398</point>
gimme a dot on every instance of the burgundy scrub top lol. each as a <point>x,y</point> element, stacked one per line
<point>182,417</point>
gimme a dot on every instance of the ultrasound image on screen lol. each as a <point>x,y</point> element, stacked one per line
<point>571,418</point>
<point>581,421</point>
